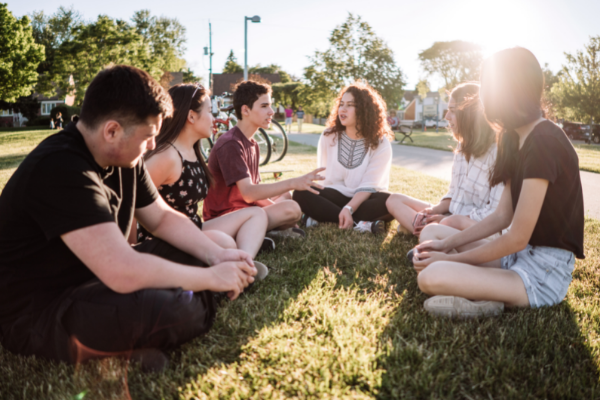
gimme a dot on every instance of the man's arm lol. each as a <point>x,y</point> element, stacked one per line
<point>177,229</point>
<point>252,193</point>
<point>104,250</point>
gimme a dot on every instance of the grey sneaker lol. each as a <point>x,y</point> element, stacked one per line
<point>454,306</point>
<point>262,269</point>
<point>308,222</point>
<point>294,233</point>
<point>375,227</point>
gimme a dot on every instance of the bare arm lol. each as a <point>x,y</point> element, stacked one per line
<point>346,220</point>
<point>106,253</point>
<point>252,193</point>
<point>525,218</point>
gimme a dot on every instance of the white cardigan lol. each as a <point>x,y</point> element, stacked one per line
<point>372,175</point>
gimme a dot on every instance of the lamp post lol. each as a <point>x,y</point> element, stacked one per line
<point>255,19</point>
<point>208,52</point>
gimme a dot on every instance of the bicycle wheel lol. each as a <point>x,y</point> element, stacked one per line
<point>279,141</point>
<point>264,144</point>
<point>206,146</point>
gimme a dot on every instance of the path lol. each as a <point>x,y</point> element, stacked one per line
<point>438,163</point>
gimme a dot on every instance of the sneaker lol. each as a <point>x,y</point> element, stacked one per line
<point>410,257</point>
<point>262,269</point>
<point>375,227</point>
<point>294,233</point>
<point>308,222</point>
<point>151,360</point>
<point>454,306</point>
<point>267,246</point>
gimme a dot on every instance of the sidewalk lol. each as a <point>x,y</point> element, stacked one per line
<point>438,163</point>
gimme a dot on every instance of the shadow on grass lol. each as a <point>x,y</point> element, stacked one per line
<point>527,353</point>
<point>11,160</point>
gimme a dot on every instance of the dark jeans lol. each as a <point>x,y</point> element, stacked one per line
<point>327,205</point>
<point>106,322</point>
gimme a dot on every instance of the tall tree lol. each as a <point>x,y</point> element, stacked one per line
<point>454,62</point>
<point>271,69</point>
<point>231,65</point>
<point>355,52</point>
<point>576,94</point>
<point>19,56</point>
<point>285,93</point>
<point>165,38</point>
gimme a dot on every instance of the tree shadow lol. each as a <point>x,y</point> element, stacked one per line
<point>11,160</point>
<point>524,353</point>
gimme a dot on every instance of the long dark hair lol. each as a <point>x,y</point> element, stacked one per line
<point>185,97</point>
<point>371,114</point>
<point>512,83</point>
<point>472,130</point>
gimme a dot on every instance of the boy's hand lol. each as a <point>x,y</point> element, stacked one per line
<point>231,277</point>
<point>305,182</point>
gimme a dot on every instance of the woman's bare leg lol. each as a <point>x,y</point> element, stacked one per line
<point>283,214</point>
<point>473,283</point>
<point>222,239</point>
<point>460,222</point>
<point>404,208</point>
<point>247,226</point>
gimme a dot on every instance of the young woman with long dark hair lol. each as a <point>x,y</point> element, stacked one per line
<point>357,154</point>
<point>470,198</point>
<point>531,264</point>
<point>183,178</point>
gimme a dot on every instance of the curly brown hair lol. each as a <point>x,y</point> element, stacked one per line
<point>371,114</point>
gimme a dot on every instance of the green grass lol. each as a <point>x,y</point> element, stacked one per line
<point>589,154</point>
<point>340,316</point>
<point>306,128</point>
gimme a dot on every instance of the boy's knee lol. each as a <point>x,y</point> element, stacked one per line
<point>293,210</point>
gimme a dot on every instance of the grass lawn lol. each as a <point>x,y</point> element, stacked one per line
<point>340,316</point>
<point>589,154</point>
<point>306,128</point>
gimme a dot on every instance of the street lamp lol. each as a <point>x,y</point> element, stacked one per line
<point>256,18</point>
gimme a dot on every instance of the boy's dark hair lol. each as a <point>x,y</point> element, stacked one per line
<point>246,93</point>
<point>126,94</point>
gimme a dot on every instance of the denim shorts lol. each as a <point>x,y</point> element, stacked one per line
<point>545,271</point>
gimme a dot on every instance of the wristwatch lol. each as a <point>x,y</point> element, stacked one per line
<point>349,209</point>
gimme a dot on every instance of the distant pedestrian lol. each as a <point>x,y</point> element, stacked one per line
<point>300,116</point>
<point>289,113</point>
<point>59,120</point>
<point>52,123</point>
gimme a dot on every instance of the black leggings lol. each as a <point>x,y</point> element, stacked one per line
<point>107,323</point>
<point>327,205</point>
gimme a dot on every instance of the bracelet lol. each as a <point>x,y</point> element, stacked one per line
<point>349,209</point>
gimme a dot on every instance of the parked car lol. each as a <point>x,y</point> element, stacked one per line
<point>595,134</point>
<point>577,131</point>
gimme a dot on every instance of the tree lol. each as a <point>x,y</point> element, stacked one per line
<point>454,62</point>
<point>95,46</point>
<point>231,65</point>
<point>423,88</point>
<point>287,93</point>
<point>271,69</point>
<point>355,53</point>
<point>189,77</point>
<point>19,56</point>
<point>165,38</point>
<point>576,94</point>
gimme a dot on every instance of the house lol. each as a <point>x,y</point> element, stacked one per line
<point>225,82</point>
<point>432,108</point>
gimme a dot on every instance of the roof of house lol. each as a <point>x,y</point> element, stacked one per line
<point>225,82</point>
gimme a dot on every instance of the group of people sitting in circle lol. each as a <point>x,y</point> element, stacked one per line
<point>72,287</point>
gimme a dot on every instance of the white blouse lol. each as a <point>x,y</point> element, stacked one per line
<point>351,167</point>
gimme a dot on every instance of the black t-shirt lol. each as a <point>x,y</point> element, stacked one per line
<point>57,189</point>
<point>548,154</point>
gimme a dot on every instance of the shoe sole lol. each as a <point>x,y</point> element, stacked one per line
<point>458,307</point>
<point>262,271</point>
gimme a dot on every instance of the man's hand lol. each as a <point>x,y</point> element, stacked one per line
<point>231,277</point>
<point>305,182</point>
<point>346,220</point>
<point>232,255</point>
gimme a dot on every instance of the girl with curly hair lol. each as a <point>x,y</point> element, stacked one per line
<point>357,154</point>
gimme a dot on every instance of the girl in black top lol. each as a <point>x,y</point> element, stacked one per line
<point>183,178</point>
<point>542,202</point>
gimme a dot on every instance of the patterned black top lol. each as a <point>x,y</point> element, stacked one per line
<point>183,195</point>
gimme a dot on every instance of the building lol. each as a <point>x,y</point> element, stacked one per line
<point>431,109</point>
<point>225,82</point>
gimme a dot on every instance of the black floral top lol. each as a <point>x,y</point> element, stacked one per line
<point>183,195</point>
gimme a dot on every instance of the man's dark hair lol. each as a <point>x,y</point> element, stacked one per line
<point>126,94</point>
<point>246,93</point>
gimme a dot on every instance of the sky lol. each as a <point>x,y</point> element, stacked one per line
<point>291,31</point>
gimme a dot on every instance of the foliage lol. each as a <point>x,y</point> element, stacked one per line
<point>231,65</point>
<point>28,106</point>
<point>355,52</point>
<point>455,62</point>
<point>189,77</point>
<point>576,94</point>
<point>19,56</point>
<point>165,38</point>
<point>271,69</point>
<point>287,93</point>
<point>423,88</point>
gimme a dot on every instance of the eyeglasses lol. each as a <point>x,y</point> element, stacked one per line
<point>198,86</point>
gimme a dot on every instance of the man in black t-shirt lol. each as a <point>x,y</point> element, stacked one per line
<point>69,281</point>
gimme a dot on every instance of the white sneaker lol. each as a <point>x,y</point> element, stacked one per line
<point>310,223</point>
<point>375,227</point>
<point>454,306</point>
<point>363,226</point>
<point>262,271</point>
